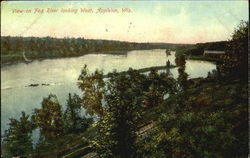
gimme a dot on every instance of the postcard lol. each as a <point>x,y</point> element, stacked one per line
<point>124,79</point>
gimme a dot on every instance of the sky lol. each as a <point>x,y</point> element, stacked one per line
<point>147,21</point>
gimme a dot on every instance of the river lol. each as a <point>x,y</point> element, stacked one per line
<point>61,76</point>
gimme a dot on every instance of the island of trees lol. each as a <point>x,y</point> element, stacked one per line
<point>145,115</point>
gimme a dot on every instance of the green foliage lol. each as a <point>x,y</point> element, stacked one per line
<point>198,49</point>
<point>118,125</point>
<point>126,96</point>
<point>235,62</point>
<point>92,86</point>
<point>66,145</point>
<point>49,118</point>
<point>74,122</point>
<point>158,85</point>
<point>180,61</point>
<point>59,134</point>
<point>115,137</point>
<point>152,97</point>
<point>17,139</point>
<point>202,122</point>
<point>196,135</point>
<point>183,76</point>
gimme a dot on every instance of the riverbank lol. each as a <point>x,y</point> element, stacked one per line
<point>18,58</point>
<point>200,57</point>
<point>7,60</point>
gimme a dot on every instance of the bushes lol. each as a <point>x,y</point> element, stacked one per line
<point>215,127</point>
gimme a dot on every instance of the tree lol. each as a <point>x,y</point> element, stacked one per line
<point>153,97</point>
<point>183,76</point>
<point>180,60</point>
<point>73,120</point>
<point>158,86</point>
<point>92,86</point>
<point>235,63</point>
<point>168,52</point>
<point>49,118</point>
<point>17,138</point>
<point>117,128</point>
<point>168,64</point>
<point>202,122</point>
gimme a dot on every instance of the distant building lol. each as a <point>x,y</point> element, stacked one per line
<point>213,53</point>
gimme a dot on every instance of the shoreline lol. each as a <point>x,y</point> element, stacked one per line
<point>201,58</point>
<point>114,52</point>
<point>3,64</point>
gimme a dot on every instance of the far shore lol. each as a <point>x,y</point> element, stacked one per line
<point>121,52</point>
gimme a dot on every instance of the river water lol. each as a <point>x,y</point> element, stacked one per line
<point>62,74</point>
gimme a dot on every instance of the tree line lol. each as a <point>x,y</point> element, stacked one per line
<point>12,48</point>
<point>52,124</point>
<point>198,49</point>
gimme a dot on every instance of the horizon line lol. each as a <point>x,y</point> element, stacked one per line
<point>67,37</point>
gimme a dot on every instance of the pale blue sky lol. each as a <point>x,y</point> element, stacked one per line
<point>150,21</point>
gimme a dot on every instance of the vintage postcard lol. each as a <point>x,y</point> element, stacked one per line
<point>124,79</point>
